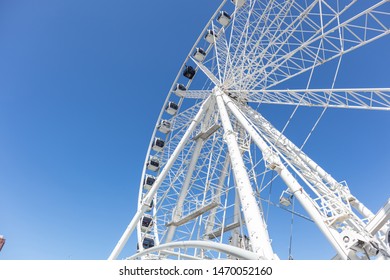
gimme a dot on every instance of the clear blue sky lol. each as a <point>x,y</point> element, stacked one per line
<point>81,86</point>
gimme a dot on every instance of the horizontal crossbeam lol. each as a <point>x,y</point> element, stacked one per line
<point>193,214</point>
<point>360,98</point>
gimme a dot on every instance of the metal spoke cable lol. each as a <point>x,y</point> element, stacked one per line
<point>325,108</point>
<point>303,96</point>
<point>330,94</point>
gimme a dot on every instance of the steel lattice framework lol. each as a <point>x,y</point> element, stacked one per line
<point>213,154</point>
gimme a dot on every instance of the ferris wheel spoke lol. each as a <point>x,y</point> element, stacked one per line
<point>327,208</point>
<point>260,33</point>
<point>218,156</point>
<point>357,98</point>
<point>207,72</point>
<point>221,51</point>
<point>275,20</point>
<point>361,29</point>
<point>294,42</point>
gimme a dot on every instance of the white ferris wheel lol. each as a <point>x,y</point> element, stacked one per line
<point>213,157</point>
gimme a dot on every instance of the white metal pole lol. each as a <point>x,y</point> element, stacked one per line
<point>184,190</point>
<point>236,219</point>
<point>211,218</point>
<point>254,221</point>
<point>295,188</point>
<point>149,197</point>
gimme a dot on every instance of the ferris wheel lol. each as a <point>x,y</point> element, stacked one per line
<point>214,157</point>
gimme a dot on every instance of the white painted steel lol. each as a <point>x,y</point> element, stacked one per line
<point>253,218</point>
<point>149,197</point>
<point>295,188</point>
<point>251,59</point>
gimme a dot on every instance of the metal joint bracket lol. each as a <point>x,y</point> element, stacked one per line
<point>228,133</point>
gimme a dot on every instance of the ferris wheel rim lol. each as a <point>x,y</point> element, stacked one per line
<point>171,90</point>
<point>162,111</point>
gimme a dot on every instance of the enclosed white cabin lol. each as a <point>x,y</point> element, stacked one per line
<point>189,72</point>
<point>149,207</point>
<point>158,144</point>
<point>164,126</point>
<point>210,36</point>
<point>180,90</point>
<point>153,164</point>
<point>224,18</point>
<point>147,242</point>
<point>238,3</point>
<point>171,108</point>
<point>148,182</point>
<point>146,223</point>
<point>199,54</point>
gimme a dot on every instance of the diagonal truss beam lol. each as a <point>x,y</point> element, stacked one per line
<point>359,98</point>
<point>353,98</point>
<point>332,43</point>
<point>283,41</point>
